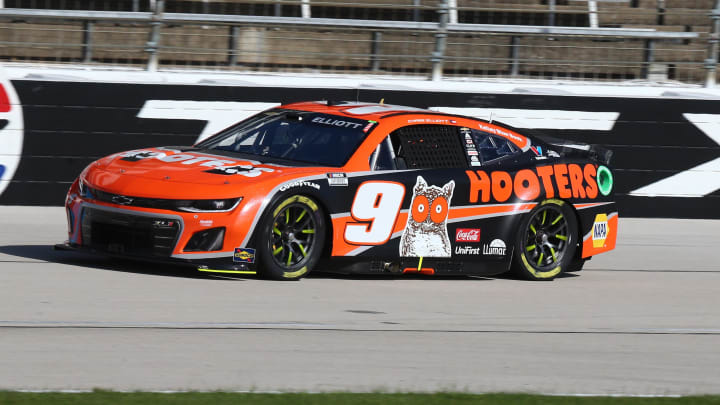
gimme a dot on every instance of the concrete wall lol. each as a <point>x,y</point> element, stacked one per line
<point>666,151</point>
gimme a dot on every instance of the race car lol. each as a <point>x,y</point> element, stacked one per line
<point>352,187</point>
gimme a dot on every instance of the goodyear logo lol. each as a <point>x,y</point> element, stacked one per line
<point>244,255</point>
<point>600,230</point>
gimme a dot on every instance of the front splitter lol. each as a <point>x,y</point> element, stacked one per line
<point>208,265</point>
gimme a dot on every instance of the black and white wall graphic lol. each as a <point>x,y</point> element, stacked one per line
<point>11,133</point>
<point>666,151</point>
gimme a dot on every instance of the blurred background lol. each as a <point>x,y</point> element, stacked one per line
<point>606,40</point>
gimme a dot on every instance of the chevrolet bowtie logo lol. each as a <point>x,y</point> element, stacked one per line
<point>122,200</point>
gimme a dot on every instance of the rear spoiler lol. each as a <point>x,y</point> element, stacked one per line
<point>577,149</point>
<point>565,147</point>
<point>594,152</point>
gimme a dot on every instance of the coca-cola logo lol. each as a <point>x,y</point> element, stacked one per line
<point>467,235</point>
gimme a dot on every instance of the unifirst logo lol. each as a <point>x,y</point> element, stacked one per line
<point>600,230</point>
<point>11,131</point>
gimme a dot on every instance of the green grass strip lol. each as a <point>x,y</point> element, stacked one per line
<point>219,398</point>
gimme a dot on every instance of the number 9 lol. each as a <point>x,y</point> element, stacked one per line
<point>376,208</point>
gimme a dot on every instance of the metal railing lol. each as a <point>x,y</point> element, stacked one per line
<point>436,45</point>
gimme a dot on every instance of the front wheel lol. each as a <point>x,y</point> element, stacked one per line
<point>546,241</point>
<point>291,238</point>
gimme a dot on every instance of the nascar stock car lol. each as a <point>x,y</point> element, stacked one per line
<point>354,188</point>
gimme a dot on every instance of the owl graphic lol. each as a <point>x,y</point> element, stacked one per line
<point>426,231</point>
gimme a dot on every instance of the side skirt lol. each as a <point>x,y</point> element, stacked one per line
<point>428,266</point>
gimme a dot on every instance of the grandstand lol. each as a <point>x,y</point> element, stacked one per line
<point>658,40</point>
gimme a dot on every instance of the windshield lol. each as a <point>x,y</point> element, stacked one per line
<point>322,139</point>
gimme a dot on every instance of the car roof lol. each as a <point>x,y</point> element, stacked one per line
<point>355,109</point>
<point>379,111</point>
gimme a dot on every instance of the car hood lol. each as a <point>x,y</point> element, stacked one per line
<point>177,173</point>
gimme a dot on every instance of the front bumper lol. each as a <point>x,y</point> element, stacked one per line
<point>207,265</point>
<point>135,233</point>
<point>148,235</point>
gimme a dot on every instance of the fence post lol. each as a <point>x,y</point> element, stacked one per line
<point>305,10</point>
<point>514,56</point>
<point>152,44</point>
<point>661,12</point>
<point>232,45</point>
<point>712,60</point>
<point>440,41</point>
<point>649,59</point>
<point>278,8</point>
<point>87,41</point>
<point>375,51</point>
<point>551,13</point>
<point>593,12</point>
<point>453,11</point>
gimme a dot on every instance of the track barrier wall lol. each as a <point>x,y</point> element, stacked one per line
<point>666,150</point>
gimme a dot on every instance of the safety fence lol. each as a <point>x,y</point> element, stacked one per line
<point>556,39</point>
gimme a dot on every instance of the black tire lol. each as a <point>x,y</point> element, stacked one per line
<point>546,241</point>
<point>291,238</point>
<point>575,266</point>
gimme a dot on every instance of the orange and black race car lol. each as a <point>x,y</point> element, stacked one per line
<point>354,188</point>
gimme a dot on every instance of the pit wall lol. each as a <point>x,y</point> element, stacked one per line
<point>665,139</point>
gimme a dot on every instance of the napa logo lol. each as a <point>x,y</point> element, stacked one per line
<point>11,131</point>
<point>244,255</point>
<point>600,230</point>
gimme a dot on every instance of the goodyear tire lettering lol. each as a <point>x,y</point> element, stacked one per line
<point>540,274</point>
<point>296,198</point>
<point>295,274</point>
<point>553,201</point>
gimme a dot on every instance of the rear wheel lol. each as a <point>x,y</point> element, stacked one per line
<point>546,241</point>
<point>292,238</point>
<point>575,266</point>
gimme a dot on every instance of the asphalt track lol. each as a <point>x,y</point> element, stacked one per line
<point>642,320</point>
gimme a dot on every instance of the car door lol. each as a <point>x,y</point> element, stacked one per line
<point>474,231</point>
<point>416,203</point>
<point>402,207</point>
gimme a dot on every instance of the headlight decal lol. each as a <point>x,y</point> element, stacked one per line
<point>221,205</point>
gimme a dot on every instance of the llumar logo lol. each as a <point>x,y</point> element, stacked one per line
<point>11,131</point>
<point>496,247</point>
<point>600,230</point>
<point>564,180</point>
